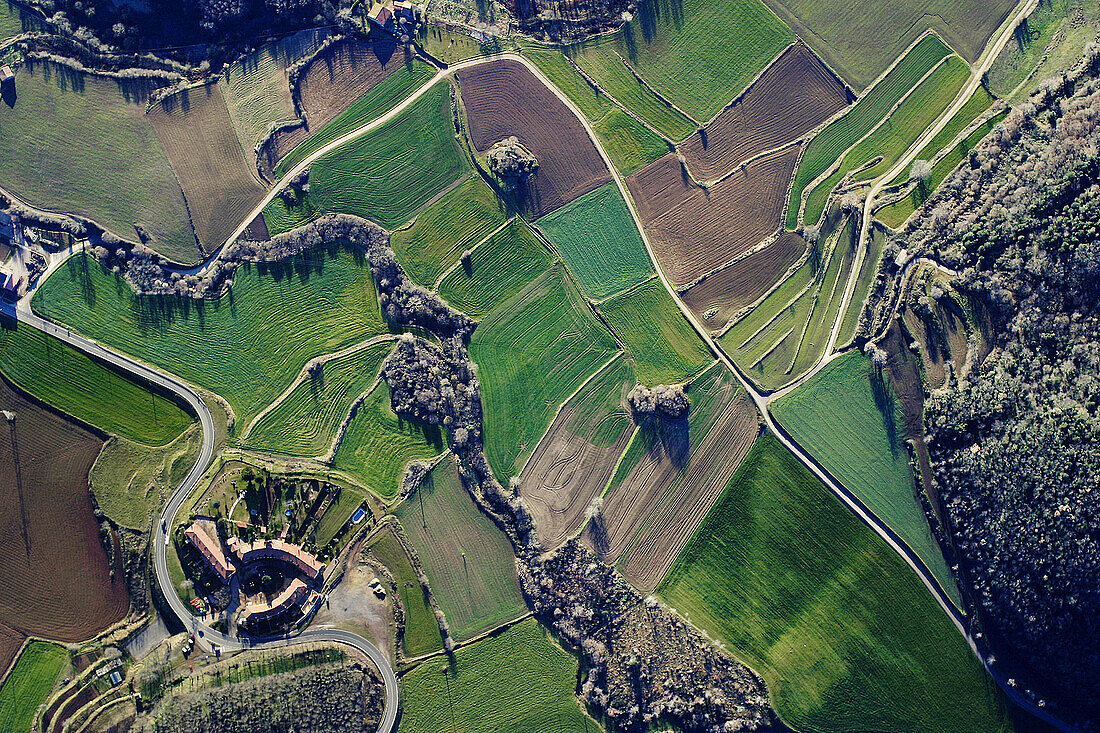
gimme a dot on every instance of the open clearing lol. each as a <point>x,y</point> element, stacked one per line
<point>30,681</point>
<point>421,629</point>
<point>86,389</point>
<point>694,230</point>
<point>574,460</point>
<point>721,294</point>
<point>793,96</point>
<point>469,561</point>
<point>503,99</point>
<point>96,124</point>
<point>379,444</point>
<point>447,228</point>
<point>497,270</point>
<point>388,174</point>
<point>665,347</point>
<point>845,635</point>
<point>518,681</point>
<point>829,144</point>
<point>246,346</point>
<point>534,350</point>
<point>670,475</point>
<point>198,137</point>
<point>305,423</point>
<point>598,240</point>
<point>56,582</point>
<point>860,40</point>
<point>700,54</point>
<point>848,418</point>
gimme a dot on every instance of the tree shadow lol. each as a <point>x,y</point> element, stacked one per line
<point>667,438</point>
<point>8,94</point>
<point>884,401</point>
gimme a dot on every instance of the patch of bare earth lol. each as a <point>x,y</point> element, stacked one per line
<point>352,604</point>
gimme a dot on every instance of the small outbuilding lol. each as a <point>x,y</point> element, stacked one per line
<point>7,76</point>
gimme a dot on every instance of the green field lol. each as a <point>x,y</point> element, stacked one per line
<point>631,145</point>
<point>95,124</point>
<point>534,350</point>
<point>519,681</point>
<point>896,214</point>
<point>896,134</point>
<point>30,681</point>
<point>421,629</point>
<point>131,481</point>
<point>665,347</point>
<point>447,228</point>
<point>978,103</point>
<point>829,144</point>
<point>66,379</point>
<point>701,53</point>
<point>305,423</point>
<point>845,635</point>
<point>447,46</point>
<point>847,418</point>
<point>498,269</point>
<point>469,561</point>
<point>867,271</point>
<point>598,240</point>
<point>247,346</point>
<point>379,444</point>
<point>1050,24</point>
<point>388,174</point>
<point>386,95</point>
<point>15,20</point>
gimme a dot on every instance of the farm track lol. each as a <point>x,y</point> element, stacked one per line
<point>22,312</point>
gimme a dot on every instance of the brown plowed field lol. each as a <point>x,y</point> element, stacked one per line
<point>568,470</point>
<point>694,230</point>
<point>55,581</point>
<point>332,81</point>
<point>793,96</point>
<point>504,99</point>
<point>652,512</point>
<point>194,128</point>
<point>717,298</point>
<point>10,643</point>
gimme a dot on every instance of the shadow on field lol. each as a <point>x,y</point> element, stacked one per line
<point>9,95</point>
<point>668,439</point>
<point>884,401</point>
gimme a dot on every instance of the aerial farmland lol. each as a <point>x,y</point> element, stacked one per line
<point>530,365</point>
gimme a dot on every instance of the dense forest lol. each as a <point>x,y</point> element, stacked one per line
<point>1015,442</point>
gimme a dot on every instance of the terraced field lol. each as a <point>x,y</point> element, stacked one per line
<point>574,460</point>
<point>597,238</point>
<point>534,349</point>
<point>829,144</point>
<point>498,269</point>
<point>443,231</point>
<point>388,174</point>
<point>421,629</point>
<point>845,635</point>
<point>468,560</point>
<point>236,346</point>
<point>96,124</point>
<point>665,348</point>
<point>671,473</point>
<point>379,444</point>
<point>848,418</point>
<point>519,681</point>
<point>860,40</point>
<point>305,422</point>
<point>30,681</point>
<point>868,270</point>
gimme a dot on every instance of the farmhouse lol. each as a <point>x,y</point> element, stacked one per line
<point>294,594</point>
<point>6,76</point>
<point>210,548</point>
<point>302,561</point>
<point>380,14</point>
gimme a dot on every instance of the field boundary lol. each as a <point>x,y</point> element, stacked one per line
<point>458,263</point>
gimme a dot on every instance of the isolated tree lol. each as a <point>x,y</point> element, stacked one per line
<point>512,163</point>
<point>921,172</point>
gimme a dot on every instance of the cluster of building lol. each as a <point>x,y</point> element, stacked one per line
<point>393,15</point>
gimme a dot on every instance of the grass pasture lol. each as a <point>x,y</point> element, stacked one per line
<point>96,124</point>
<point>30,682</point>
<point>860,40</point>
<point>598,240</point>
<point>388,174</point>
<point>442,232</point>
<point>848,418</point>
<point>829,144</point>
<point>845,635</point>
<point>518,681</point>
<point>305,423</point>
<point>665,347</point>
<point>469,561</point>
<point>238,346</point>
<point>421,629</point>
<point>498,269</point>
<point>534,349</point>
<point>14,20</point>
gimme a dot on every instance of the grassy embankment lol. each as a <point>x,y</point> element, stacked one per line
<point>30,681</point>
<point>847,417</point>
<point>421,629</point>
<point>845,635</point>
